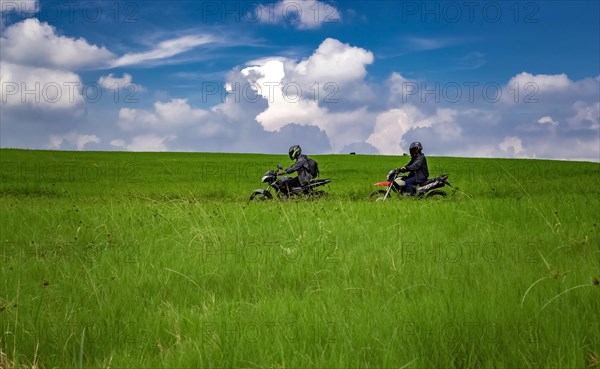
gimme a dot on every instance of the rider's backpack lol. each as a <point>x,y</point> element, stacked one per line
<point>313,167</point>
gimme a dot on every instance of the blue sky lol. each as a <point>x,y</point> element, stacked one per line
<point>478,79</point>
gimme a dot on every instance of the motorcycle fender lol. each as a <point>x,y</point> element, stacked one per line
<point>382,184</point>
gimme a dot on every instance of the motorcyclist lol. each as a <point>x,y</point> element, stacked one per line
<point>417,168</point>
<point>301,166</point>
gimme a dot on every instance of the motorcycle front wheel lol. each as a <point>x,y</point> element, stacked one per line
<point>261,196</point>
<point>377,195</point>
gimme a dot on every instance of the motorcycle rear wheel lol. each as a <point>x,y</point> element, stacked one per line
<point>318,194</point>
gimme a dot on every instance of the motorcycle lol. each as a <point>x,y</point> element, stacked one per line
<point>396,184</point>
<point>282,192</point>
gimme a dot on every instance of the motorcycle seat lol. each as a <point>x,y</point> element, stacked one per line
<point>429,181</point>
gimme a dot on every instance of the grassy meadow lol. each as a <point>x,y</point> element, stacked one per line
<point>157,260</point>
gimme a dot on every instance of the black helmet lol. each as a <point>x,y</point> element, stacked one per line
<point>295,152</point>
<point>415,148</point>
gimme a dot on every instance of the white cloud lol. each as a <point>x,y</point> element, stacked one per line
<point>333,61</point>
<point>543,82</point>
<point>132,119</point>
<point>398,85</point>
<point>111,82</point>
<point>282,109</point>
<point>40,88</point>
<point>586,116</point>
<point>391,127</point>
<point>150,142</point>
<point>164,49</point>
<point>178,111</point>
<point>288,87</point>
<point>565,148</point>
<point>167,116</point>
<point>79,141</point>
<point>302,14</point>
<point>34,43</point>
<point>511,145</point>
<point>118,143</point>
<point>547,120</point>
<point>423,43</point>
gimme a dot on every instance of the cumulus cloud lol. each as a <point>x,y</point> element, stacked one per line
<point>218,129</point>
<point>392,126</point>
<point>118,143</point>
<point>148,142</point>
<point>334,61</point>
<point>587,116</point>
<point>397,85</point>
<point>302,14</point>
<point>547,120</point>
<point>512,145</point>
<point>387,124</point>
<point>41,92</point>
<point>34,43</point>
<point>289,88</point>
<point>57,142</point>
<point>111,82</point>
<point>37,44</point>
<point>283,108</point>
<point>229,126</point>
<point>39,88</point>
<point>543,82</point>
<point>166,116</point>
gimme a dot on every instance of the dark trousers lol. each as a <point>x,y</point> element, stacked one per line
<point>290,183</point>
<point>409,185</point>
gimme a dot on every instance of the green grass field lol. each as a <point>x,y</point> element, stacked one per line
<point>156,260</point>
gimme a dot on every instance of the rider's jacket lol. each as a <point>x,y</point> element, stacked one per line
<point>301,166</point>
<point>418,168</point>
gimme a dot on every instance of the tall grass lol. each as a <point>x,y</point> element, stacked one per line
<point>157,260</point>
